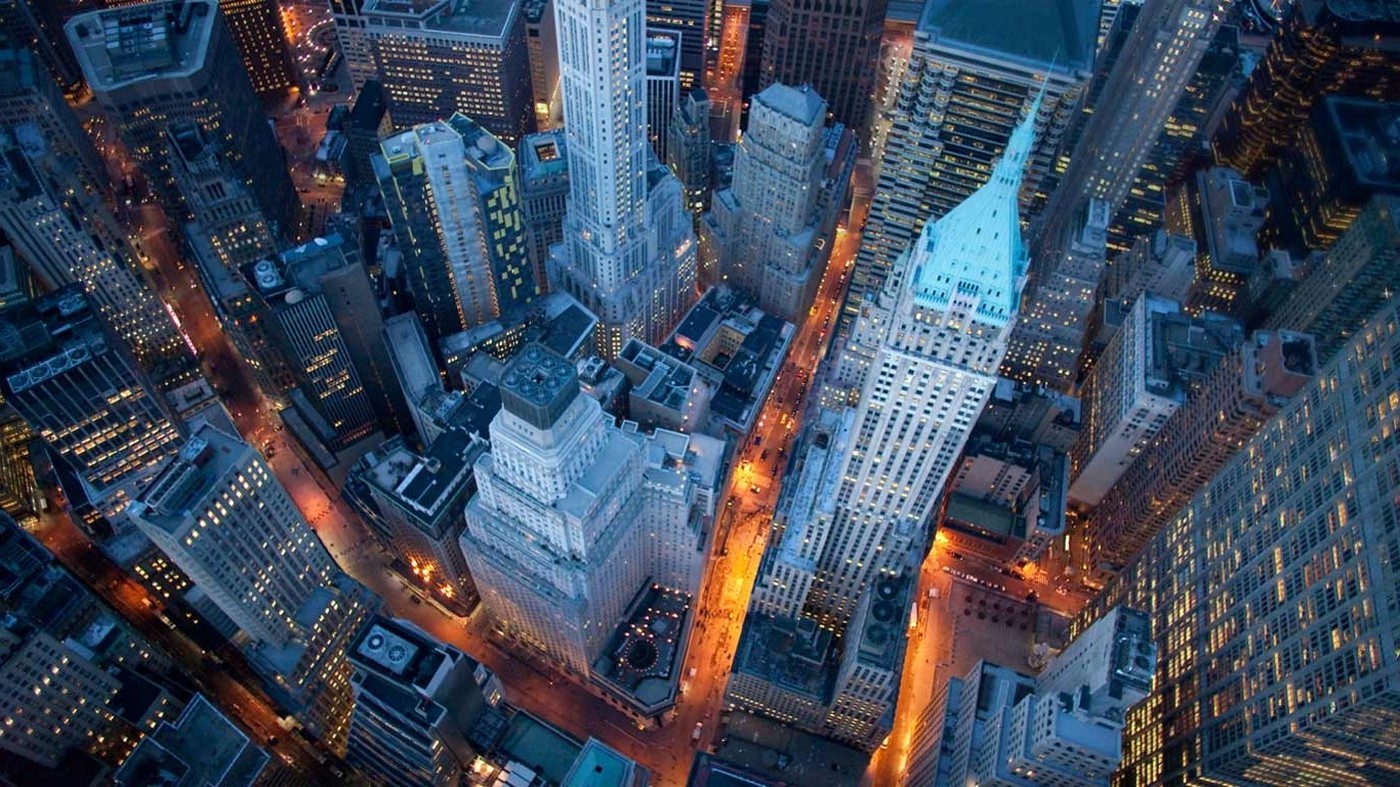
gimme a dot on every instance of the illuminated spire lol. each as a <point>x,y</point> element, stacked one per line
<point>976,250</point>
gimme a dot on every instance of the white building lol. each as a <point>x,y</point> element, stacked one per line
<point>629,251</point>
<point>766,224</point>
<point>574,517</point>
<point>935,337</point>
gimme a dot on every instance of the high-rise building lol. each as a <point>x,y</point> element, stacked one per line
<point>80,391</point>
<point>323,316</point>
<point>1232,402</point>
<point>1060,728</point>
<point>65,233</point>
<point>422,498</point>
<point>1323,47</point>
<point>629,251</point>
<point>575,517</point>
<point>936,335</point>
<point>225,219</point>
<point>416,700</point>
<point>1141,379</point>
<point>663,88</point>
<point>38,25</point>
<point>1359,273</point>
<point>1050,331</point>
<point>1149,76</point>
<point>684,20</point>
<point>765,225</point>
<point>438,58</point>
<point>221,515</point>
<point>28,94</point>
<point>450,190</point>
<point>1270,596</point>
<point>690,152</point>
<point>367,123</point>
<point>1160,263</point>
<point>154,63</point>
<point>542,44</point>
<point>968,82</point>
<point>832,48</point>
<point>544,195</point>
<point>1340,158</point>
<point>256,26</point>
<point>20,496</point>
<point>201,746</point>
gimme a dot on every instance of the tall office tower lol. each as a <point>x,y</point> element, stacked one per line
<point>449,188</point>
<point>765,226</point>
<point>422,499</point>
<point>20,496</point>
<point>1184,143</point>
<point>1063,727</point>
<point>663,88</point>
<point>221,515</point>
<point>684,22</point>
<point>1222,212</point>
<point>1359,273</point>
<point>1144,375</point>
<point>629,248</point>
<point>28,94</point>
<point>367,123</point>
<point>158,62</point>
<point>1050,333</point>
<point>1339,159</point>
<point>544,195</point>
<point>574,517</point>
<point>416,700</point>
<point>1324,47</point>
<point>256,26</point>
<point>437,58</point>
<point>936,337</point>
<point>62,229</point>
<point>225,219</point>
<point>970,78</point>
<point>542,46</point>
<point>1163,48</point>
<point>1160,263</point>
<point>690,151</point>
<point>1232,403</point>
<point>1287,544</point>
<point>833,48</point>
<point>84,396</point>
<point>202,746</point>
<point>323,316</point>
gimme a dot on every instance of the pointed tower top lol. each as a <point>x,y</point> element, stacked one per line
<point>976,250</point>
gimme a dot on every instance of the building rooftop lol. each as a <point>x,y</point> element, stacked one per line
<point>201,749</point>
<point>1369,136</point>
<point>802,104</point>
<point>48,335</point>
<point>400,653</point>
<point>641,660</point>
<point>793,654</point>
<point>663,59</point>
<point>543,155</point>
<point>1064,32</point>
<point>1181,349</point>
<point>457,19</point>
<point>169,499</point>
<point>599,765</point>
<point>537,385</point>
<point>424,485</point>
<point>117,47</point>
<point>296,273</point>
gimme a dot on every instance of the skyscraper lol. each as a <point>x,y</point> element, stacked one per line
<point>450,190</point>
<point>936,336</point>
<point>221,515</point>
<point>1323,47</point>
<point>1158,59</point>
<point>1360,272</point>
<point>256,26</point>
<point>765,226</point>
<point>157,62</point>
<point>1270,596</point>
<point>684,19</point>
<point>833,48</point>
<point>544,195</point>
<point>663,88</point>
<point>629,249</point>
<point>574,516</point>
<point>969,80</point>
<point>28,94</point>
<point>80,391</point>
<point>436,59</point>
<point>416,700</point>
<point>61,228</point>
<point>691,150</point>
